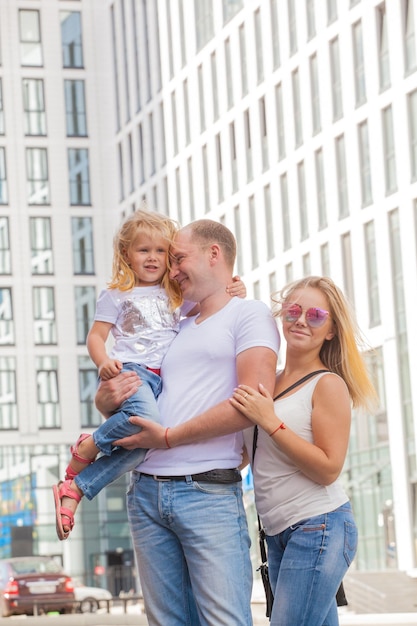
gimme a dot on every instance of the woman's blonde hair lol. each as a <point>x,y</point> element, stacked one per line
<point>340,354</point>
<point>142,223</point>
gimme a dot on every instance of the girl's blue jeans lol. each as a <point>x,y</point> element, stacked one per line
<point>307,562</point>
<point>115,461</point>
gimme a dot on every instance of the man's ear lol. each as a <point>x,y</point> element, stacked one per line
<point>214,252</point>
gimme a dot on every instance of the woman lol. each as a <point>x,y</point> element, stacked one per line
<point>301,448</point>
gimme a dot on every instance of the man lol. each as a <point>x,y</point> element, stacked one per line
<point>185,500</point>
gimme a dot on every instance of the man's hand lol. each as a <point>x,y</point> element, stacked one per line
<point>112,393</point>
<point>152,435</point>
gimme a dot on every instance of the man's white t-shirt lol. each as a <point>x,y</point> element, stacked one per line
<point>198,372</point>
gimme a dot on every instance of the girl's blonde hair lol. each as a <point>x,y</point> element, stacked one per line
<point>142,223</point>
<point>340,354</point>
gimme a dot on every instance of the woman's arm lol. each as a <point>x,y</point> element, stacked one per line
<point>322,460</point>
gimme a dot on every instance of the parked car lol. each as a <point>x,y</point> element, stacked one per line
<point>91,598</point>
<point>26,580</point>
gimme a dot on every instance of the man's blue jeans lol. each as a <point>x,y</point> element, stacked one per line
<point>117,461</point>
<point>192,547</point>
<point>307,562</point>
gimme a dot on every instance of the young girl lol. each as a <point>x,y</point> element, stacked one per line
<point>301,448</point>
<point>142,309</point>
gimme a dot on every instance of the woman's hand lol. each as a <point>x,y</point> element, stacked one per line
<point>258,406</point>
<point>152,435</point>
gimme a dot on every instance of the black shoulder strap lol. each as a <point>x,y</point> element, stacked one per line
<point>287,390</point>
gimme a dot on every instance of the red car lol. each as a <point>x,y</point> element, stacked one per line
<point>26,580</point>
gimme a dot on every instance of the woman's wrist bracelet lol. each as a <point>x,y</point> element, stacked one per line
<point>280,427</point>
<point>166,437</point>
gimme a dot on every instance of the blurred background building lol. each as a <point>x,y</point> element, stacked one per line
<point>293,122</point>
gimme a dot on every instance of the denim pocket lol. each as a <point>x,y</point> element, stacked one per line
<point>351,542</point>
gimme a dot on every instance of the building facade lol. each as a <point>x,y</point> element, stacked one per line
<point>294,122</point>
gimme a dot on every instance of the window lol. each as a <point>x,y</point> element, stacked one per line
<point>182,32</point>
<point>125,74</point>
<point>219,166</point>
<point>359,64</point>
<point>292,27</point>
<point>409,36</point>
<point>115,66</point>
<point>152,162</point>
<point>214,86</point>
<point>87,375</point>
<point>248,145</point>
<point>258,47</point>
<point>325,259</point>
<point>347,267</point>
<point>383,49</point>
<point>320,188</point>
<point>136,46</point>
<point>85,306</point>
<point>253,233</point>
<point>206,181</point>
<point>296,98</point>
<point>41,245</point>
<point>75,108</point>
<point>163,156</point>
<point>82,245</point>
<point>331,11</point>
<point>121,171</point>
<point>311,19</point>
<point>5,262</point>
<point>179,194</point>
<point>243,60</point>
<point>302,201</point>
<point>30,38</point>
<point>229,81</point>
<point>1,109</point>
<point>186,113</point>
<point>72,49</point>
<point>365,163</point>
<point>372,274</point>
<point>285,211</point>
<point>8,397</point>
<point>272,282</point>
<point>276,57</point>
<point>6,317</point>
<point>44,315</point>
<point>174,122</point>
<point>306,261</point>
<point>336,79</point>
<point>239,241</point>
<point>3,177</point>
<point>37,176</point>
<point>269,224</point>
<point>201,98</point>
<point>47,392</point>
<point>79,176</point>
<point>230,8</point>
<point>315,94</point>
<point>34,107</point>
<point>280,122</point>
<point>341,171</point>
<point>130,161</point>
<point>389,151</point>
<point>203,13</point>
<point>264,134</point>
<point>191,200</point>
<point>412,132</point>
<point>169,36</point>
<point>141,156</point>
<point>233,155</point>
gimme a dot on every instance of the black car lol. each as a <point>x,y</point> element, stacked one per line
<point>26,580</point>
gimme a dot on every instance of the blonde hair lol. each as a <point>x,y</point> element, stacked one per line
<point>150,224</point>
<point>207,232</point>
<point>340,354</point>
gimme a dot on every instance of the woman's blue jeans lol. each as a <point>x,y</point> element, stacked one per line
<point>192,547</point>
<point>307,562</point>
<point>115,461</point>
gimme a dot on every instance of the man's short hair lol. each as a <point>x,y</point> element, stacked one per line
<point>209,231</point>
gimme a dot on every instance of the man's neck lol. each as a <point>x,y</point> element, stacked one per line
<point>212,304</point>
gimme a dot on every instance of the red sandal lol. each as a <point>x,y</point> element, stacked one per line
<point>69,472</point>
<point>60,490</point>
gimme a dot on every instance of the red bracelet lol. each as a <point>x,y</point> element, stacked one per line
<point>166,437</point>
<point>281,426</point>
